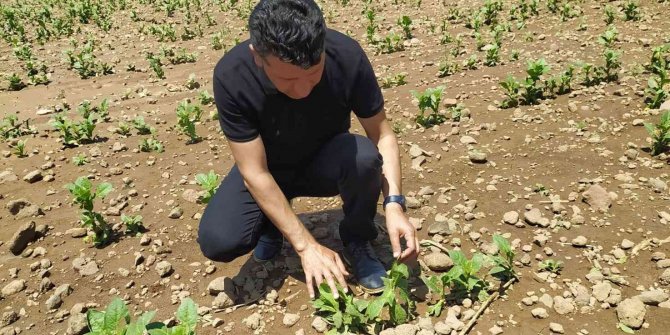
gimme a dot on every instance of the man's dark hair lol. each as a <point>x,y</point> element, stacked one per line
<point>292,30</point>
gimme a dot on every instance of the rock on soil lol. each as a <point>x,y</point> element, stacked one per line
<point>290,319</point>
<point>563,306</point>
<point>665,277</point>
<point>556,328</point>
<point>598,198</point>
<point>631,312</point>
<point>534,217</point>
<point>653,297</point>
<point>438,261</point>
<point>223,300</point>
<point>511,217</point>
<point>253,321</point>
<point>164,268</point>
<point>77,325</point>
<point>319,324</point>
<point>580,241</point>
<point>13,287</point>
<point>540,313</point>
<point>7,176</point>
<point>33,176</point>
<point>24,235</point>
<point>85,267</point>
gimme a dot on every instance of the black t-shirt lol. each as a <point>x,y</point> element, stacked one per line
<point>293,130</point>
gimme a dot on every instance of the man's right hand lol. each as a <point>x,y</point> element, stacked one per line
<point>321,263</point>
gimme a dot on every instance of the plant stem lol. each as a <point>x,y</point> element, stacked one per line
<point>485,305</point>
<point>425,243</point>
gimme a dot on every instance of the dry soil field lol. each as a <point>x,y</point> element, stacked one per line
<point>537,122</point>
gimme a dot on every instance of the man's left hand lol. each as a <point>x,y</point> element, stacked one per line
<point>398,226</point>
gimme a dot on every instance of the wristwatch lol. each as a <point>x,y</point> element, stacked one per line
<point>400,199</point>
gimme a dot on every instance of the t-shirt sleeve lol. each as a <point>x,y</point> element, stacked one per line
<point>237,122</point>
<point>367,98</point>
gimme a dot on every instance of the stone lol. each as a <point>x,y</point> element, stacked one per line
<point>406,329</point>
<point>118,146</point>
<point>221,284</point>
<point>163,268</point>
<point>556,328</point>
<point>631,312</point>
<point>547,300</point>
<point>319,324</point>
<point>580,241</point>
<point>290,319</point>
<point>540,313</point>
<point>511,217</point>
<point>253,321</point>
<point>663,264</point>
<point>89,269</point>
<point>659,186</point>
<point>665,106</point>
<point>53,302</point>
<point>598,198</point>
<point>627,244</point>
<point>7,176</point>
<point>190,195</point>
<point>563,306</point>
<point>33,176</point>
<point>438,261</point>
<point>665,277</point>
<point>14,287</point>
<point>602,290</point>
<point>495,330</point>
<point>24,235</point>
<point>76,232</point>
<point>415,151</point>
<point>77,325</point>
<point>477,156</point>
<point>16,205</point>
<point>8,318</point>
<point>176,213</point>
<point>534,217</point>
<point>442,328</point>
<point>223,300</point>
<point>468,140</point>
<point>653,297</point>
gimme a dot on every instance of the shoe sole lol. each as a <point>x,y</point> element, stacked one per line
<point>361,287</point>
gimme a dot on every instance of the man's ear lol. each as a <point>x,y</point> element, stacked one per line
<point>257,58</point>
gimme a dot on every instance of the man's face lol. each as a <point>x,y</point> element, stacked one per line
<point>292,80</point>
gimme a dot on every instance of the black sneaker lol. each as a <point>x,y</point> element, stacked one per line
<point>367,268</point>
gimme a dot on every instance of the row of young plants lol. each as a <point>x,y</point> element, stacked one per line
<point>116,320</point>
<point>395,305</point>
<point>84,194</point>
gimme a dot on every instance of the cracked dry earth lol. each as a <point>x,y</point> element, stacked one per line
<point>570,179</point>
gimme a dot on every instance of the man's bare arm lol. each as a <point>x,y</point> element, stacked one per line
<point>381,134</point>
<point>319,263</point>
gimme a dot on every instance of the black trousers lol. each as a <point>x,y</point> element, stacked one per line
<point>349,165</point>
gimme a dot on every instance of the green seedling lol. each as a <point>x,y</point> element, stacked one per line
<point>19,149</point>
<point>511,87</point>
<point>660,134</point>
<point>551,265</point>
<point>192,83</point>
<point>74,133</point>
<point>116,320</point>
<point>150,145</point>
<point>531,91</point>
<point>134,225</point>
<point>84,194</point>
<point>406,24</point>
<point>346,314</point>
<point>631,11</point>
<point>492,55</point>
<point>10,127</point>
<point>394,81</point>
<point>187,115</point>
<point>612,65</point>
<point>209,183</point>
<point>430,100</point>
<point>503,262</point>
<point>609,14</point>
<point>79,160</point>
<point>15,82</point>
<point>141,126</point>
<point>464,275</point>
<point>608,37</point>
<point>390,44</point>
<point>156,65</point>
<point>395,298</point>
<point>205,98</point>
<point>447,68</point>
<point>122,129</point>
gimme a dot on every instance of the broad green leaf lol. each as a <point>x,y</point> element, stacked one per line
<point>625,328</point>
<point>361,304</point>
<point>496,270</point>
<point>375,308</point>
<point>187,314</point>
<point>457,256</point>
<point>179,330</point>
<point>116,311</point>
<point>95,320</point>
<point>337,320</point>
<point>103,190</point>
<point>398,314</point>
<point>401,269</point>
<point>502,243</point>
<point>650,128</point>
<point>436,310</point>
